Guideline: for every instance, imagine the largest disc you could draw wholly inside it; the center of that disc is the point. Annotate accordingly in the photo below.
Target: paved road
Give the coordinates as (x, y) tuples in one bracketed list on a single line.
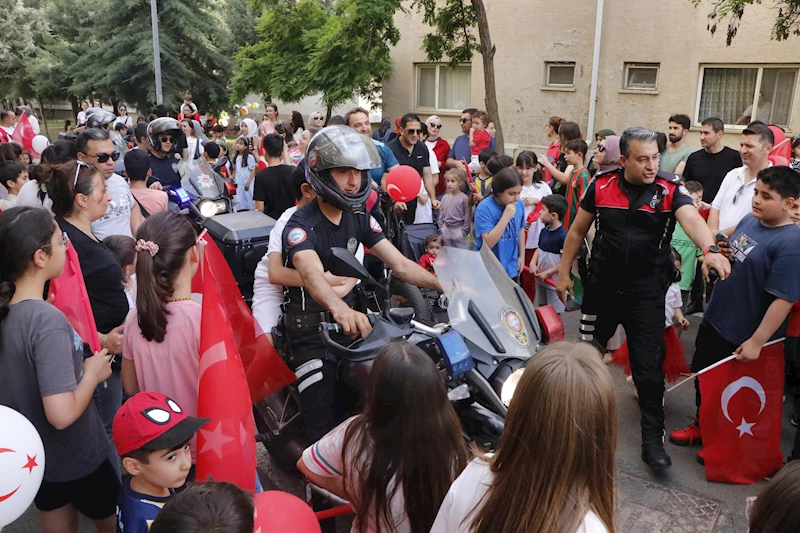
[(681, 501)]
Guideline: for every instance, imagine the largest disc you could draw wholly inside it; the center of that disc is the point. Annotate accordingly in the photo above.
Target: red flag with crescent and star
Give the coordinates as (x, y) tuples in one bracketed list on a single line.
[(70, 297), (740, 418), (265, 370), (226, 446), (23, 133)]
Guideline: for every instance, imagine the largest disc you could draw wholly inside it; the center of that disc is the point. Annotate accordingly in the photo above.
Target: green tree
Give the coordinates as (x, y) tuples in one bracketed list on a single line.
[(339, 50), (730, 12), (454, 37), (21, 28), (119, 65), (241, 24)]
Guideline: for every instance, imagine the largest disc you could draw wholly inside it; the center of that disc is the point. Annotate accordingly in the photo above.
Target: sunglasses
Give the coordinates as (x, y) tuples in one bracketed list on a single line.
[(317, 118), (465, 120), (102, 158), (78, 166), (435, 125), (738, 193), (414, 132), (166, 139)]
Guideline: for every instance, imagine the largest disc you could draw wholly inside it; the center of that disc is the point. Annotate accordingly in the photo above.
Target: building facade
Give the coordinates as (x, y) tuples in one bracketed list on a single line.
[(655, 58)]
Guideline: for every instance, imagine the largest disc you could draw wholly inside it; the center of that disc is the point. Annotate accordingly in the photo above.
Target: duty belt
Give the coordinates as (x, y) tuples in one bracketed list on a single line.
[(299, 325)]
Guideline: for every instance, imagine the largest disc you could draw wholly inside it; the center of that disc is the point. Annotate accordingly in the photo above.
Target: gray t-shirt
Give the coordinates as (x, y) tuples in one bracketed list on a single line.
[(670, 161), (41, 355), (118, 213)]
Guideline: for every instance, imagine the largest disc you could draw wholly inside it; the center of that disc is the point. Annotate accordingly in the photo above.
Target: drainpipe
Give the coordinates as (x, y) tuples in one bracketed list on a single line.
[(598, 37)]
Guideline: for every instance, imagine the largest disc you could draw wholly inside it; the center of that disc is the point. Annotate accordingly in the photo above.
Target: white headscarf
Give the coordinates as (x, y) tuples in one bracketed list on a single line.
[(252, 129), (433, 118)]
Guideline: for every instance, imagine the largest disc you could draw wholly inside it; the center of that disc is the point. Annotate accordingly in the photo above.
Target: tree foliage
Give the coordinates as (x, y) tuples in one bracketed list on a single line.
[(20, 27), (337, 49), (730, 12)]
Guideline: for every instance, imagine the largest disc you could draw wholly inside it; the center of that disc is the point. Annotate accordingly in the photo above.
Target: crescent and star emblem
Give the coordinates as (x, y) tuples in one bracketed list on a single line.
[(745, 382), (391, 186), (31, 463)]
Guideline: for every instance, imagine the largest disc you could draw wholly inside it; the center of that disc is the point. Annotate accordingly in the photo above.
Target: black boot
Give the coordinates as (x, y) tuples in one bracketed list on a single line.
[(655, 456)]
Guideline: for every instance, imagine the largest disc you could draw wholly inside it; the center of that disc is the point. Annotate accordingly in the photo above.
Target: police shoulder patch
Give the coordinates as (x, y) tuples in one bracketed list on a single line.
[(296, 236), (374, 226), (684, 190), (669, 176)]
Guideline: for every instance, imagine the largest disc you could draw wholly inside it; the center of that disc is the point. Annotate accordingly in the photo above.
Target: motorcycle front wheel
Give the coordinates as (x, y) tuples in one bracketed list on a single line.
[(278, 421), (406, 295)]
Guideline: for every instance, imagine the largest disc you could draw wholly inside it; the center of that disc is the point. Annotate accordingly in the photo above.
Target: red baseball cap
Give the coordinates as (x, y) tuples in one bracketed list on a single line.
[(152, 421)]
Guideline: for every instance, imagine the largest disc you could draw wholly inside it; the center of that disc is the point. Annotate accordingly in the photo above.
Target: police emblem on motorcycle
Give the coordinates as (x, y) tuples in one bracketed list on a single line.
[(352, 245), (296, 236), (204, 181), (513, 326), (312, 159)]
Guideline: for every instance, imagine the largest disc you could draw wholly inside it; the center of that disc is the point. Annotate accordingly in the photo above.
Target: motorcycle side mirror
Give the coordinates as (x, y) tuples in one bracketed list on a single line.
[(340, 262)]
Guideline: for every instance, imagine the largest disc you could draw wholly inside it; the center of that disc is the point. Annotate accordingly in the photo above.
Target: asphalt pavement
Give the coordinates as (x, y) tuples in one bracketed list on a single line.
[(679, 501)]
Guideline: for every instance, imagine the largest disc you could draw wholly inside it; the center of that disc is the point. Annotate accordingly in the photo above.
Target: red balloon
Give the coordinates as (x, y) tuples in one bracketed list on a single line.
[(281, 511), (403, 183), (779, 161)]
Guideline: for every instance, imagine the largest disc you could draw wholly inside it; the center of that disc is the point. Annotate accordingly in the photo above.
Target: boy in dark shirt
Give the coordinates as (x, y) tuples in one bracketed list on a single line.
[(151, 434), (273, 192), (749, 308)]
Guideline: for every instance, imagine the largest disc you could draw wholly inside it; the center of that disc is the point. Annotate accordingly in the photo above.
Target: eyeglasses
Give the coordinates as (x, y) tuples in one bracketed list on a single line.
[(78, 166), (166, 138), (64, 240), (102, 158), (465, 120), (414, 132), (435, 126)]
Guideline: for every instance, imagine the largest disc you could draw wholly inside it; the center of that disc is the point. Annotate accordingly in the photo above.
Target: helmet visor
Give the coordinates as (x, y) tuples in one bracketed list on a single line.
[(342, 147)]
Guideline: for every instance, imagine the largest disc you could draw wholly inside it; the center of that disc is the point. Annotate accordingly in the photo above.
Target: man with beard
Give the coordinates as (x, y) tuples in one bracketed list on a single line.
[(673, 160), (711, 164)]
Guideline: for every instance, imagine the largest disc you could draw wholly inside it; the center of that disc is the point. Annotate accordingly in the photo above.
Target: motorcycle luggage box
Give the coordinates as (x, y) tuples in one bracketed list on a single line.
[(243, 239)]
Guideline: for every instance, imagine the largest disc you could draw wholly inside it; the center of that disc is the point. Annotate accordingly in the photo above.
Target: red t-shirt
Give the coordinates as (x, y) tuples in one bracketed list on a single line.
[(481, 140), (426, 262)]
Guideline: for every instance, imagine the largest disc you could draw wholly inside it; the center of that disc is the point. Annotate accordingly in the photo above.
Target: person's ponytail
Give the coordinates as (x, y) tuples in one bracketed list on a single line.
[(161, 245), (59, 182), (23, 231)]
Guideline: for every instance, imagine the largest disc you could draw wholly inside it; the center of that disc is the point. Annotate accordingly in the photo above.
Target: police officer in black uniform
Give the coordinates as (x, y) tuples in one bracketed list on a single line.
[(338, 162), (634, 209)]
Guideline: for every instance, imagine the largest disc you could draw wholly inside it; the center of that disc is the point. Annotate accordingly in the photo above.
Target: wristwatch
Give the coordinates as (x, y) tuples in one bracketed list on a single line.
[(713, 249)]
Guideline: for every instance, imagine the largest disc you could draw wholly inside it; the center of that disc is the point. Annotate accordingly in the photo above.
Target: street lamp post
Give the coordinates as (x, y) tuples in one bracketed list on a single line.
[(156, 52)]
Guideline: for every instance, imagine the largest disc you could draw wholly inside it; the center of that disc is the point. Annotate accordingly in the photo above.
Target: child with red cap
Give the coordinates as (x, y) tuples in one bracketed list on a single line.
[(151, 433)]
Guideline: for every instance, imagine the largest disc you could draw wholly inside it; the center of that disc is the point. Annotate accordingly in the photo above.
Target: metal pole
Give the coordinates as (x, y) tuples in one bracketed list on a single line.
[(156, 52), (598, 37)]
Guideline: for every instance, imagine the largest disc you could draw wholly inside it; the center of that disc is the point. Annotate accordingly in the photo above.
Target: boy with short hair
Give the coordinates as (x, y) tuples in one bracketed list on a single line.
[(273, 191), (206, 507), (151, 433), (13, 176), (575, 153), (483, 180), (137, 169), (750, 307), (547, 257), (688, 250)]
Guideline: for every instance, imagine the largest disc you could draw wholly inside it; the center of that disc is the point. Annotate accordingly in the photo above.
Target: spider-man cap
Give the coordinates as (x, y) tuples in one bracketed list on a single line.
[(152, 421)]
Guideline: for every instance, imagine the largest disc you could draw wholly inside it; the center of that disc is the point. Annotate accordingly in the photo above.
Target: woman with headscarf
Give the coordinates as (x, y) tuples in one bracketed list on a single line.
[(316, 120), (608, 157), (381, 131), (598, 137), (439, 146), (249, 130)]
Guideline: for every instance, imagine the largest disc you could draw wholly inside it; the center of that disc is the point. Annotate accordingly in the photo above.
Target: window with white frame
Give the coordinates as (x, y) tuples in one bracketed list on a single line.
[(641, 76), (559, 74), (738, 94), (442, 88)]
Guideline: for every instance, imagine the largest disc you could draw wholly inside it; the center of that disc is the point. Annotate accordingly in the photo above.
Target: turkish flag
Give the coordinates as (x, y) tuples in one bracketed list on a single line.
[(740, 418), (23, 134), (226, 446), (70, 297), (535, 214), (265, 370)]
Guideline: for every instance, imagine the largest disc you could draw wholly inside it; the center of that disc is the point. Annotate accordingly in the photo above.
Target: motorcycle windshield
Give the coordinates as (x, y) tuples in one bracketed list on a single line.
[(199, 179), (484, 303)]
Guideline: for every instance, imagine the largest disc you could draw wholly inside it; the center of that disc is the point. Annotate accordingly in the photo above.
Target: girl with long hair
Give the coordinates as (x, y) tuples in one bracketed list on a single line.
[(396, 460), (193, 148), (560, 170), (162, 333), (44, 376), (298, 126), (244, 172), (533, 190), (269, 120), (500, 219), (554, 470), (291, 153)]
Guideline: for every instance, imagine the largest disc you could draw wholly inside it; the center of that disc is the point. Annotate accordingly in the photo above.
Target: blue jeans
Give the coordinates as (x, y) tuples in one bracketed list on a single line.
[(107, 399)]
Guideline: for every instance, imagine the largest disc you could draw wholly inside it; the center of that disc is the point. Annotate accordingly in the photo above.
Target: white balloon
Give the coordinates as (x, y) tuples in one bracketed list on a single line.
[(21, 464), (39, 143)]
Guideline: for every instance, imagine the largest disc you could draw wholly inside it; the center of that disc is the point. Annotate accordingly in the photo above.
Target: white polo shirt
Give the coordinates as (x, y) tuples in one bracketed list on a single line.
[(732, 212)]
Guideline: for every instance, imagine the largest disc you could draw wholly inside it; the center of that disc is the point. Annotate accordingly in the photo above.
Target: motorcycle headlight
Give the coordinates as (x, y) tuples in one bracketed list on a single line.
[(207, 208), (222, 206), (510, 386)]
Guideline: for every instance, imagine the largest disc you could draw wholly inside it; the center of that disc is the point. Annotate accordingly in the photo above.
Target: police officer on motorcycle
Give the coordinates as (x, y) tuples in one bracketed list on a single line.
[(164, 135), (338, 163), (634, 209)]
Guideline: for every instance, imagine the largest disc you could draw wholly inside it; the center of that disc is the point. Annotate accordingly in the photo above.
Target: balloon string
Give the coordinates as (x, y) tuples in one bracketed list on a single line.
[(718, 363)]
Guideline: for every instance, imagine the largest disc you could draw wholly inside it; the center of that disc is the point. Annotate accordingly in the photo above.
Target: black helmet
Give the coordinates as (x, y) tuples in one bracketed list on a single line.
[(340, 147), (161, 126), (99, 118)]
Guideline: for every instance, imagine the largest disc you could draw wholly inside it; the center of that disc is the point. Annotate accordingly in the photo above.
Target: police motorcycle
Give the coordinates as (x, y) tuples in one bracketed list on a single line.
[(481, 351)]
